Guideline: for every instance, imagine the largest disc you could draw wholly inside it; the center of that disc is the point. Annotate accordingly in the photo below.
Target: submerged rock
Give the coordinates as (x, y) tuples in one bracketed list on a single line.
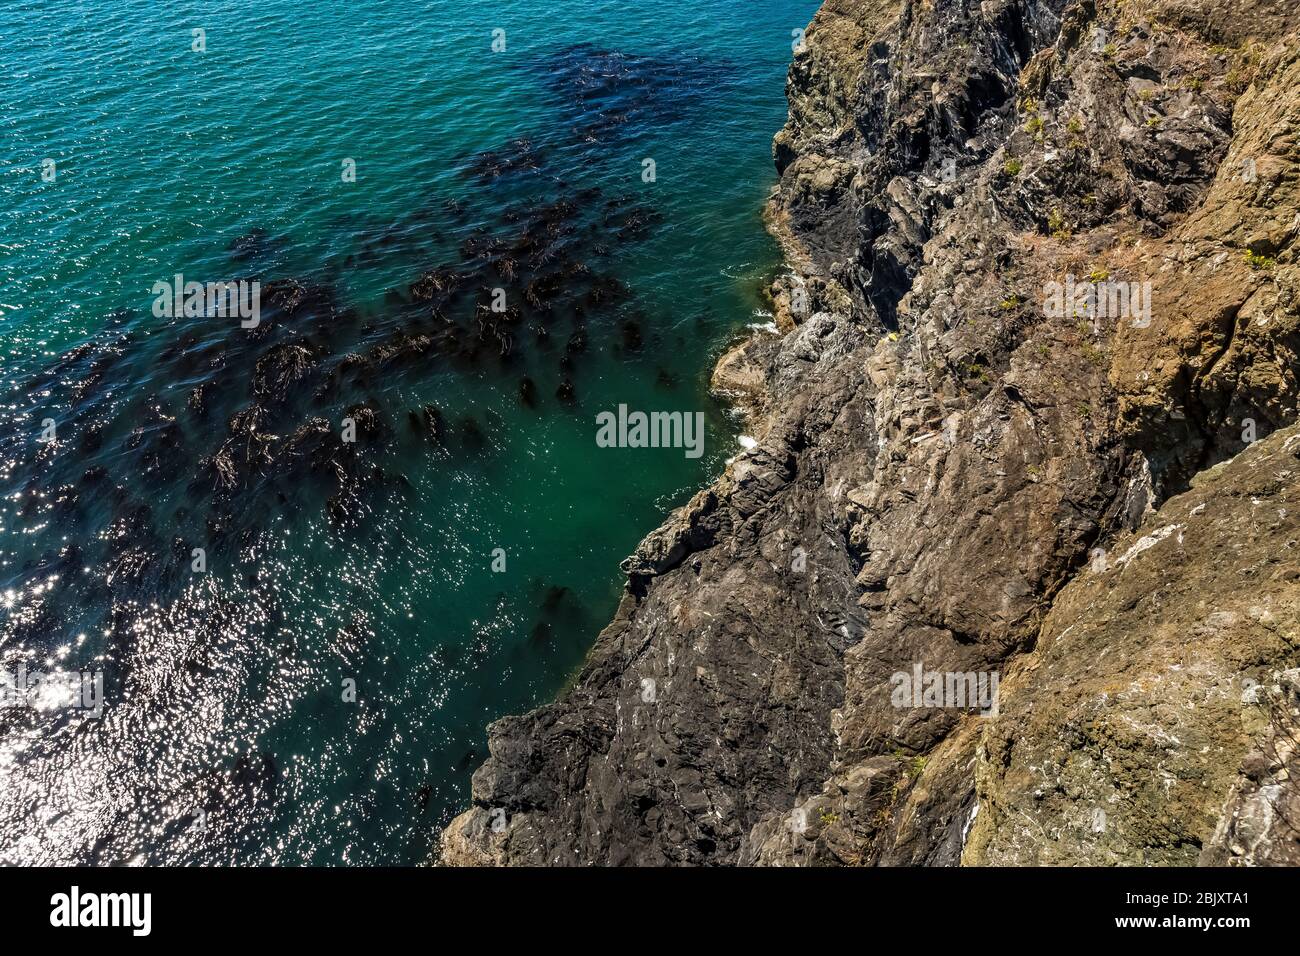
[(528, 392), (428, 423)]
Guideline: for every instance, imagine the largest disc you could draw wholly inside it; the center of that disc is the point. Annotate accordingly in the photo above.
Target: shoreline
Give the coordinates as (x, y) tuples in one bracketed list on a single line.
[(738, 384), (948, 478)]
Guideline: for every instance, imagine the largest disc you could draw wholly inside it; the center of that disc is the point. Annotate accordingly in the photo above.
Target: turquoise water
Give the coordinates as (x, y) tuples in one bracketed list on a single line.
[(230, 733)]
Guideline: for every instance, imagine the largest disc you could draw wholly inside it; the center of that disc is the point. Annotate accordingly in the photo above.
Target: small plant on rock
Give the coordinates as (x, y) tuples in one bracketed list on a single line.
[(1056, 226), (1259, 261)]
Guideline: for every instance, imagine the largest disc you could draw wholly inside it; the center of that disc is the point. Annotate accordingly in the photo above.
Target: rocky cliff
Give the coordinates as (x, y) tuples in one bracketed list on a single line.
[(1027, 423)]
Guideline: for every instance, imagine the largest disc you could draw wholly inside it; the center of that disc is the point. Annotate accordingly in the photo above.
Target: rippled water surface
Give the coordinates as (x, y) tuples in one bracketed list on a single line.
[(228, 731)]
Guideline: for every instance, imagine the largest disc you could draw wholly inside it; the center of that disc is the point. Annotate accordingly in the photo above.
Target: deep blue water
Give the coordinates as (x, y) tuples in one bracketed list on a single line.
[(227, 735)]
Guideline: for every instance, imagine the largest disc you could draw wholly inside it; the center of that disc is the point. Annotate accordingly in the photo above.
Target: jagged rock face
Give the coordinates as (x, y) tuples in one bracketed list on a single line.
[(1158, 687), (1225, 281), (940, 450)]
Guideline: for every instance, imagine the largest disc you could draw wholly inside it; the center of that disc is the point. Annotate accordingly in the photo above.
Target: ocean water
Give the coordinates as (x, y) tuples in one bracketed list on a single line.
[(301, 640)]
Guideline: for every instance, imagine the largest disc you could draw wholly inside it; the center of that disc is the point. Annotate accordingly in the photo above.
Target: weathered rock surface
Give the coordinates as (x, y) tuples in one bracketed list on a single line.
[(1159, 685), (938, 456)]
